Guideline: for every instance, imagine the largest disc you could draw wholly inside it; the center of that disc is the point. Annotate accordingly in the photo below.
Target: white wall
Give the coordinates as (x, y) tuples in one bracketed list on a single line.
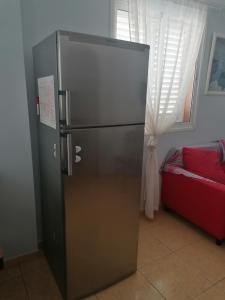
[(17, 209), (42, 17)]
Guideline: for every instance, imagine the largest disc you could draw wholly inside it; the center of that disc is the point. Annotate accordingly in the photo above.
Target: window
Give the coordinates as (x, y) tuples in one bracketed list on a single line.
[(187, 110), (122, 25)]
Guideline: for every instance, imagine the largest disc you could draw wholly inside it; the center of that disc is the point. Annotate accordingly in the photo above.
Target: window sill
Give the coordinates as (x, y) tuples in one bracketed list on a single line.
[(180, 126)]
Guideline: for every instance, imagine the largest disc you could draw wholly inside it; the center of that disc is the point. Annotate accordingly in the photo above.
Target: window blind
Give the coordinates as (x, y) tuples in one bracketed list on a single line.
[(172, 66), (174, 59)]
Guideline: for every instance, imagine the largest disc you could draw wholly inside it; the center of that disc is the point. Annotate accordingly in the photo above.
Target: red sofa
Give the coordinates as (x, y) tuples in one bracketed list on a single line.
[(198, 199)]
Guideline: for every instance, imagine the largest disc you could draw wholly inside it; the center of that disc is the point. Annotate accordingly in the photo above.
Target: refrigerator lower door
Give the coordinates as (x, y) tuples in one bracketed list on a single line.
[(102, 207)]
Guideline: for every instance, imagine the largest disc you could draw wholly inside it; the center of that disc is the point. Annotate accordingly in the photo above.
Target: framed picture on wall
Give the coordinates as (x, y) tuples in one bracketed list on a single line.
[(215, 84)]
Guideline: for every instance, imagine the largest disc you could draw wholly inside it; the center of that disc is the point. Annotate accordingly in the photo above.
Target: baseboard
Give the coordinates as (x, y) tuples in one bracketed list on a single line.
[(23, 258)]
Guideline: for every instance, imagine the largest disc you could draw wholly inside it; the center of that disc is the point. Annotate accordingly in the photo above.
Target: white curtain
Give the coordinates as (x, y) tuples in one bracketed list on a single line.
[(174, 30)]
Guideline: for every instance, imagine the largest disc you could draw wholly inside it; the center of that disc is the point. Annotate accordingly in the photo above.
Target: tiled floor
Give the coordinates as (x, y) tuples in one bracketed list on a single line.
[(176, 261)]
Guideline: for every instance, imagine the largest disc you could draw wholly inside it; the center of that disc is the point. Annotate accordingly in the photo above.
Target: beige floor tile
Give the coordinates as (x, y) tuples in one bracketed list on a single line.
[(207, 257), (13, 289), (133, 288), (150, 248), (175, 279), (39, 280), (217, 292), (178, 294), (9, 272), (175, 233)]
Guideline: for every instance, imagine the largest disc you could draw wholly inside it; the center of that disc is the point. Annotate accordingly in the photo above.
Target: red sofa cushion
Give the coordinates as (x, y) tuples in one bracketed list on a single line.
[(204, 162)]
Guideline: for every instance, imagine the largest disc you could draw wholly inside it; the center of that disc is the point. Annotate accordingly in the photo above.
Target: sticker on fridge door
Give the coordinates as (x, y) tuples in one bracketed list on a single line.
[(46, 95)]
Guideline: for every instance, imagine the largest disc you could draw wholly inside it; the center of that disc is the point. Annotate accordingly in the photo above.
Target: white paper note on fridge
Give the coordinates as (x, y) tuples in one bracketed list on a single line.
[(46, 94)]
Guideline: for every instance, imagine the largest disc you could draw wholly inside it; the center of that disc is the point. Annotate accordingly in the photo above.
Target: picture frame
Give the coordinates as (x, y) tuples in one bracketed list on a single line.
[(215, 83)]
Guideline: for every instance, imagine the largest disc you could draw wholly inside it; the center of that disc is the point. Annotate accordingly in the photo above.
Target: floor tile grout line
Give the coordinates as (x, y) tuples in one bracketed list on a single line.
[(24, 283), (188, 245), (160, 242), (162, 257), (208, 278), (165, 298), (152, 285), (172, 250), (214, 284), (153, 260), (176, 252), (3, 281), (211, 285)]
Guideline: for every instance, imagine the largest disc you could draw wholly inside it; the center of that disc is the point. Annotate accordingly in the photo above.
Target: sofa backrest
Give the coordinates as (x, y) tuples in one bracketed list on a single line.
[(175, 155)]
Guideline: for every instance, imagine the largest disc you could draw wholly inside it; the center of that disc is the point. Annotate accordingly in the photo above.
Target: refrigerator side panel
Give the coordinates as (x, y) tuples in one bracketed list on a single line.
[(45, 65), (106, 79), (102, 200)]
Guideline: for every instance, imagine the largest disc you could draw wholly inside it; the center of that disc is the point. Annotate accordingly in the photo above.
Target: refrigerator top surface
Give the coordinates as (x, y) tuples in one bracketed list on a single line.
[(89, 38)]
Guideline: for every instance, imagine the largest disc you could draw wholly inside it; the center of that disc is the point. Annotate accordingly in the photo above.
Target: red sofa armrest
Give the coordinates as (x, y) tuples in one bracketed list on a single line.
[(200, 201)]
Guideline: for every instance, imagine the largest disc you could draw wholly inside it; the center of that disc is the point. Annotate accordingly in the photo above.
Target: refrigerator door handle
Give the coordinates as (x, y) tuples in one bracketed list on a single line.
[(69, 155), (64, 107), (68, 104)]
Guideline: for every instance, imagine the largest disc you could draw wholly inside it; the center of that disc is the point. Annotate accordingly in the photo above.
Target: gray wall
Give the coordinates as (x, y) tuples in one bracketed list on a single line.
[(17, 206), (42, 17)]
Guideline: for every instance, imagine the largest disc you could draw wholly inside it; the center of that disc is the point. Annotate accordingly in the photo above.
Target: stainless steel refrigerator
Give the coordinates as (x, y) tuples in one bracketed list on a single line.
[(92, 93)]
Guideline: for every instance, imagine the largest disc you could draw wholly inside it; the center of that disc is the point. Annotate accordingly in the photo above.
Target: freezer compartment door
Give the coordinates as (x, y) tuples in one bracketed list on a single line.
[(105, 78), (102, 207)]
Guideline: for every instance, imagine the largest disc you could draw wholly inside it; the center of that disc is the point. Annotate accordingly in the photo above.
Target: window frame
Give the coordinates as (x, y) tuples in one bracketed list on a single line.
[(178, 126)]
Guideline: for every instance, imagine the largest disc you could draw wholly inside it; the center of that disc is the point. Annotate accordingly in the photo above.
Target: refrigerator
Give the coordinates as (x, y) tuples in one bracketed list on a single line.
[(91, 97)]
